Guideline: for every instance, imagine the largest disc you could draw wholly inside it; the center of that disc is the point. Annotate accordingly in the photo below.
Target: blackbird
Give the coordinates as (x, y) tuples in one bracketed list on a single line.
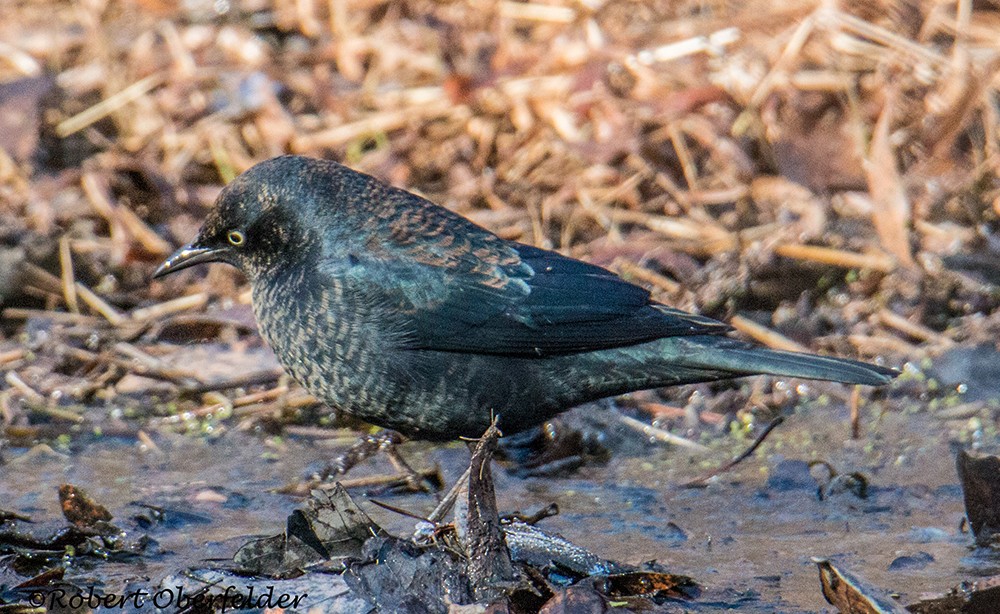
[(411, 317)]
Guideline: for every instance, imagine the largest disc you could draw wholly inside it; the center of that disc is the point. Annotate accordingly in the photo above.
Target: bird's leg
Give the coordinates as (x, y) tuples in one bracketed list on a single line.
[(365, 447), (385, 441)]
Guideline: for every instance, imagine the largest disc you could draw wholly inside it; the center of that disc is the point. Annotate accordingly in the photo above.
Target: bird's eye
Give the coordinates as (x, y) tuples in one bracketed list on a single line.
[(236, 237)]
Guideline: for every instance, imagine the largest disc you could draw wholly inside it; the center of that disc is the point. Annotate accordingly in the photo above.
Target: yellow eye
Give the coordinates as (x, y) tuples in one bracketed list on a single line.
[(236, 237)]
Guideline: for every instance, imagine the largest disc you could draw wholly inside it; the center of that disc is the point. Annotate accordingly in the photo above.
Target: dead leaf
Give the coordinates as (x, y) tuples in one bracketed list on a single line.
[(80, 509), (892, 207), (980, 479), (852, 595), (330, 526), (490, 567)]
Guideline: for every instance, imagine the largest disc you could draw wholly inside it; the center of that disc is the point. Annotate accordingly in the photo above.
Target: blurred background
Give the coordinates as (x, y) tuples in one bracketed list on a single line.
[(834, 164)]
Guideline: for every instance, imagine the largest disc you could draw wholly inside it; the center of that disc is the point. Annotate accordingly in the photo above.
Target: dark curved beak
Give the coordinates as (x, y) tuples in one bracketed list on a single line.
[(189, 255)]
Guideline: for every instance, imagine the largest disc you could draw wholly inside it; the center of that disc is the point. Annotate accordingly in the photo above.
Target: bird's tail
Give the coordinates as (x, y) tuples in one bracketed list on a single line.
[(740, 358)]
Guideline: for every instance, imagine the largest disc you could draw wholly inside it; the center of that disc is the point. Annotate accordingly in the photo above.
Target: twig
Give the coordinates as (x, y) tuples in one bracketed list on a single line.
[(259, 397), (68, 278), (29, 393), (397, 510), (159, 310), (700, 482), (12, 356), (388, 480), (386, 121), (322, 437), (855, 405), (765, 335), (20, 313), (48, 281), (712, 238), (661, 410), (887, 38), (873, 345), (630, 269), (22, 61), (122, 220), (659, 434), (688, 166), (837, 257), (240, 381), (147, 442), (59, 413), (913, 329), (147, 361), (537, 12), (151, 368), (42, 450), (894, 210), (789, 54), (714, 44), (449, 499), (107, 106), (142, 233)]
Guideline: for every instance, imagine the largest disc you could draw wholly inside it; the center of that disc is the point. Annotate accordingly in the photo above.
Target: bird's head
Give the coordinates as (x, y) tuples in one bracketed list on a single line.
[(263, 219)]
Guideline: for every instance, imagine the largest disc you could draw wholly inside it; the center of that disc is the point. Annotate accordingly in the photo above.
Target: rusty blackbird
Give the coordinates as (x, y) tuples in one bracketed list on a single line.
[(409, 316)]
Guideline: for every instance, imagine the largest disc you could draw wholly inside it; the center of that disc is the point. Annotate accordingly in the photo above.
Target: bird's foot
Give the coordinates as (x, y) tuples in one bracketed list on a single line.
[(387, 442), (366, 447)]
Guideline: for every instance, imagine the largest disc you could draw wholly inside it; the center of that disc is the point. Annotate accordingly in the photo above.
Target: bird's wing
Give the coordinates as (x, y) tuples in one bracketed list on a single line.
[(467, 290)]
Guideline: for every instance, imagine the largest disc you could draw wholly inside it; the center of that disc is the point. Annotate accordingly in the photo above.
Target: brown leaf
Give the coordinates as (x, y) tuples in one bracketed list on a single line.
[(648, 584), (892, 207), (980, 479), (80, 509), (489, 559), (328, 526), (814, 143), (20, 110), (982, 597), (850, 594), (579, 599)]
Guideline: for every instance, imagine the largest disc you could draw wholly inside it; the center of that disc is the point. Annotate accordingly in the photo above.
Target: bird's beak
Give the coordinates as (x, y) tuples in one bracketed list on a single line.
[(189, 255)]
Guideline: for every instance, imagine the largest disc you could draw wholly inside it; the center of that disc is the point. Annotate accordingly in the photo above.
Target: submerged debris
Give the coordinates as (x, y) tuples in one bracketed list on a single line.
[(81, 510), (980, 478), (850, 594), (512, 566), (45, 550), (329, 527)]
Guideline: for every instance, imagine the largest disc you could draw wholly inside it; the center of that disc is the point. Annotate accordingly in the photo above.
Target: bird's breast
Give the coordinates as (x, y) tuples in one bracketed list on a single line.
[(324, 340)]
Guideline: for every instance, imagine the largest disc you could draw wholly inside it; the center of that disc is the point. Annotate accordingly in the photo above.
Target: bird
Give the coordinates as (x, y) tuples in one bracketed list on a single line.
[(405, 314)]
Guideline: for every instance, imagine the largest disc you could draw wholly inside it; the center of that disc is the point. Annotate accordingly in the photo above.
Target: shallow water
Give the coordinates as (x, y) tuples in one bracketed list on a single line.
[(747, 538)]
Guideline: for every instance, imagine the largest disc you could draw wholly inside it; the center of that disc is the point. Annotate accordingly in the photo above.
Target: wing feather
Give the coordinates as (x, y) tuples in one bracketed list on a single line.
[(454, 286)]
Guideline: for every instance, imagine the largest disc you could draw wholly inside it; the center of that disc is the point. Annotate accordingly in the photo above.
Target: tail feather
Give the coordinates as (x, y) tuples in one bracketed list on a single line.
[(739, 358)]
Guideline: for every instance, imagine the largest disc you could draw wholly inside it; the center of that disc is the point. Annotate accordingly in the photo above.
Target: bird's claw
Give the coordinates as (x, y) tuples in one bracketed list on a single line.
[(386, 441)]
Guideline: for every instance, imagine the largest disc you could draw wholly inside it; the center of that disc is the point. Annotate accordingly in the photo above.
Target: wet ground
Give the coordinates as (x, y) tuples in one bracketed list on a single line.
[(747, 538)]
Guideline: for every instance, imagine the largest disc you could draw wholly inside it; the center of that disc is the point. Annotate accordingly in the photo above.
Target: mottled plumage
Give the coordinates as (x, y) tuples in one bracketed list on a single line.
[(409, 316)]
